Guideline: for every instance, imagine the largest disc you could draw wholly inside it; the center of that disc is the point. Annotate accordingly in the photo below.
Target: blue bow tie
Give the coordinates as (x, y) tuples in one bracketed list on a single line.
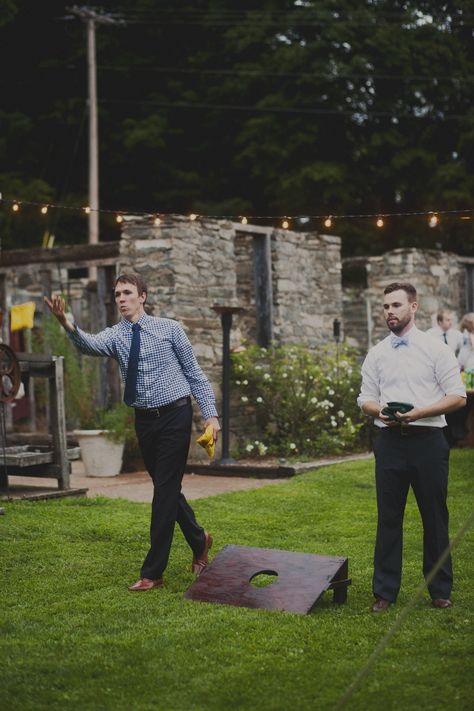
[(399, 341)]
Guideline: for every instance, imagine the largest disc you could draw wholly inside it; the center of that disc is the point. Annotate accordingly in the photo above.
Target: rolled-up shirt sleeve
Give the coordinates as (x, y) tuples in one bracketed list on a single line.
[(199, 384), (449, 376), (370, 390)]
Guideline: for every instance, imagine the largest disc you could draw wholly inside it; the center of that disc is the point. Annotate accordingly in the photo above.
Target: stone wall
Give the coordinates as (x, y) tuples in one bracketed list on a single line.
[(307, 293), (190, 266), (438, 277)]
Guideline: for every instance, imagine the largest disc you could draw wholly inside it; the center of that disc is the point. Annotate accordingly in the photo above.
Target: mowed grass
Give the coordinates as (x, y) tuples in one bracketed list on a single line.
[(73, 637)]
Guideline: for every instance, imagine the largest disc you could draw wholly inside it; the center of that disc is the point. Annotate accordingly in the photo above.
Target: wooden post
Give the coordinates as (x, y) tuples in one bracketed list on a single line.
[(58, 422), (5, 325), (101, 323), (263, 288)]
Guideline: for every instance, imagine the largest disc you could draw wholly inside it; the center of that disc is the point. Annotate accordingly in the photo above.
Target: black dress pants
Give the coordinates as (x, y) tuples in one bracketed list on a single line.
[(164, 444), (422, 461)]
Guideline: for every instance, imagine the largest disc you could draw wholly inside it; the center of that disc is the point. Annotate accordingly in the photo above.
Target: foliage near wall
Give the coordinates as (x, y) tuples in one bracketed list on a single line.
[(304, 400)]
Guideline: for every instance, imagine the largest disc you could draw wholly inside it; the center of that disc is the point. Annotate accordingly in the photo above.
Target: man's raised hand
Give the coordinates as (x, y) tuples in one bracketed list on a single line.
[(58, 308)]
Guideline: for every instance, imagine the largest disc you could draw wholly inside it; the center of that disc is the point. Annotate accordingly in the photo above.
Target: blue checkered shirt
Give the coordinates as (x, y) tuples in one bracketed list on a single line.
[(167, 367)]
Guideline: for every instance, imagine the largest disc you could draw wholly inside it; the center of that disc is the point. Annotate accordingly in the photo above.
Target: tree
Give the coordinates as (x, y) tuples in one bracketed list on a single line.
[(279, 107)]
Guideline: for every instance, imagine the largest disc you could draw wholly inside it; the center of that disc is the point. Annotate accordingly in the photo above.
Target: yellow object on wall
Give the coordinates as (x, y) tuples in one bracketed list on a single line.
[(22, 316)]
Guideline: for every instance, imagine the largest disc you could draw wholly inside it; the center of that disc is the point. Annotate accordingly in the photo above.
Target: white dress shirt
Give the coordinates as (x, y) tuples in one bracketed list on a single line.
[(422, 373), (454, 337)]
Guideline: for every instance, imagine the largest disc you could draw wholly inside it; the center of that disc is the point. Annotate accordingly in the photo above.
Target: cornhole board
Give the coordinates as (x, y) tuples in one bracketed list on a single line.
[(301, 579)]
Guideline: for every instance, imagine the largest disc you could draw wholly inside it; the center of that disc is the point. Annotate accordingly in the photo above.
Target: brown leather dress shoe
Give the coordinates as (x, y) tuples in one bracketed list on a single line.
[(380, 605), (441, 603), (146, 584), (201, 561)]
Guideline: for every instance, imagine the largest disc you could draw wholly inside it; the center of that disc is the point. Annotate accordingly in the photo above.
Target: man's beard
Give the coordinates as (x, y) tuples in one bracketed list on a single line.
[(398, 327)]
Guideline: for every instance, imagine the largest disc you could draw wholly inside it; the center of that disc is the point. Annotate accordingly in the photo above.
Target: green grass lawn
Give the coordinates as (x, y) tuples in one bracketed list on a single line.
[(73, 637)]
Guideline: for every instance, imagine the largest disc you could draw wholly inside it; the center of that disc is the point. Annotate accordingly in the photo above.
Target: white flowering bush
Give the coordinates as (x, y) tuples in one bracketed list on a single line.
[(304, 400)]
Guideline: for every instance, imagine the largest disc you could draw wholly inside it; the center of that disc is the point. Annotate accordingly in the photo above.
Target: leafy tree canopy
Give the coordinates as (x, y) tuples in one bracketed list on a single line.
[(297, 107)]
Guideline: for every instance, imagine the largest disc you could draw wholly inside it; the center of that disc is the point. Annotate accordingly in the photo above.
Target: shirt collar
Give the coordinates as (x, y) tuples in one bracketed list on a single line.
[(141, 321)]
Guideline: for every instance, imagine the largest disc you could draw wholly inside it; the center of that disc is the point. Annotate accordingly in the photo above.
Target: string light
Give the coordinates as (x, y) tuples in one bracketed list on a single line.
[(157, 222), (119, 219), (285, 224), (328, 220)]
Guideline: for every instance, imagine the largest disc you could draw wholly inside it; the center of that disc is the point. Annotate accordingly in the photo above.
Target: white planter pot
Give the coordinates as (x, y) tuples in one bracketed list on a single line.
[(101, 456)]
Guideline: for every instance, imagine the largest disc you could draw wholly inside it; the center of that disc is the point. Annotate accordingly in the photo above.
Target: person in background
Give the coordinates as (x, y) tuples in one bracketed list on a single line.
[(160, 372), (445, 332), (409, 367), (466, 353), (458, 422)]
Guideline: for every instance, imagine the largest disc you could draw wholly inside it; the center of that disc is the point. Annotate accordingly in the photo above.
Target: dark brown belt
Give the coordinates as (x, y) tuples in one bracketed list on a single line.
[(158, 411), (410, 430)]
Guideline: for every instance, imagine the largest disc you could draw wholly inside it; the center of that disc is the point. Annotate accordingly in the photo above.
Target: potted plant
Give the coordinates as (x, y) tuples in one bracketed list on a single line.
[(102, 440)]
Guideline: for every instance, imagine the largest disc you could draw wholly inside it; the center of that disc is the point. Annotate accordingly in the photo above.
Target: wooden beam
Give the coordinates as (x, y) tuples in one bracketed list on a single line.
[(75, 255), (262, 260)]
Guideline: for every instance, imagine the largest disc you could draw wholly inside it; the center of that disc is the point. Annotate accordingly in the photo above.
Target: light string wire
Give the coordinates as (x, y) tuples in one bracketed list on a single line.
[(196, 216), (374, 657)]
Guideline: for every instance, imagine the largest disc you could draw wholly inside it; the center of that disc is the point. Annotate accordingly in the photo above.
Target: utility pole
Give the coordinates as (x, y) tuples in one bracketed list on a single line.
[(93, 16)]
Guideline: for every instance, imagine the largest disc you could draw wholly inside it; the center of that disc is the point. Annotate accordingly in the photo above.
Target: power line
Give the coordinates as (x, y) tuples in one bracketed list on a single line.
[(263, 73), (357, 112)]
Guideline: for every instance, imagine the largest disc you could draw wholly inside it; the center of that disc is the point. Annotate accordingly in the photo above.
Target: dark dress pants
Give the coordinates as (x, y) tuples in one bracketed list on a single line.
[(422, 461), (164, 444)]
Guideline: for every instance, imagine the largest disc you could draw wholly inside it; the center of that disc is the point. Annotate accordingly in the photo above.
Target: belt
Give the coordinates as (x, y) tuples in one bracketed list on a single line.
[(158, 411), (411, 430)]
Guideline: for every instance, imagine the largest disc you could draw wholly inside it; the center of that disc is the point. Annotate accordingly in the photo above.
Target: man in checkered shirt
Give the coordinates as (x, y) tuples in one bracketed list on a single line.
[(164, 373)]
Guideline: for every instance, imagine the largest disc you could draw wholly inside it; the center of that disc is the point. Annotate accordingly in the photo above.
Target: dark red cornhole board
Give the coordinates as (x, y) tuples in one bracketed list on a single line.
[(302, 579)]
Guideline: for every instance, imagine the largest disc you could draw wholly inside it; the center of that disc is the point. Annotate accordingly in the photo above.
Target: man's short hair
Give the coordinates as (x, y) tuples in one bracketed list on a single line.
[(133, 279), (441, 314), (409, 289)]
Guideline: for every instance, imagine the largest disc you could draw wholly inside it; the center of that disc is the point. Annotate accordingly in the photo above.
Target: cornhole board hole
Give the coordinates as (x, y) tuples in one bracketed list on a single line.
[(300, 579)]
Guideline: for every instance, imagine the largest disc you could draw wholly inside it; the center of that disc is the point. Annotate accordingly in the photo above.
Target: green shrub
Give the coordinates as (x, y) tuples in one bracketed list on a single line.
[(304, 400), (80, 374)]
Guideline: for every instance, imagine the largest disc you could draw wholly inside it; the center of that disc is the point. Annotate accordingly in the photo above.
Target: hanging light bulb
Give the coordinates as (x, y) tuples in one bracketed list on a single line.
[(157, 221), (15, 207), (44, 210), (243, 221), (285, 224), (433, 221), (328, 221), (87, 210), (192, 217), (119, 218), (380, 222)]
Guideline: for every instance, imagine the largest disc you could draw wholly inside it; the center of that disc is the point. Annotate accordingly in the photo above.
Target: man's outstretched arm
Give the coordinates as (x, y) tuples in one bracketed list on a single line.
[(97, 344)]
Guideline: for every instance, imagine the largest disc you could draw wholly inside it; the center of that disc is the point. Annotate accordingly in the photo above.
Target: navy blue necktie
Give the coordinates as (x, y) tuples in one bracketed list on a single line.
[(130, 393), (445, 338)]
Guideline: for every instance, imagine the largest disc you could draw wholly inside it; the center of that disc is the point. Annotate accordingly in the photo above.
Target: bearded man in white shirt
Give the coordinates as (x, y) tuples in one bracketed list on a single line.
[(408, 366)]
